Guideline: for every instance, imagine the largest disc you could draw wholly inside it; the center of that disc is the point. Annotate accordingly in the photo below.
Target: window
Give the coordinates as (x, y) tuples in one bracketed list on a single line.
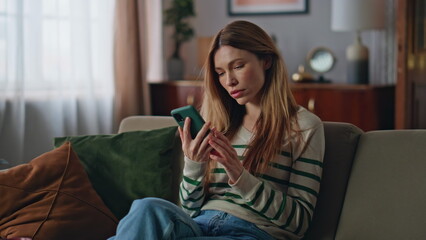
[(50, 45)]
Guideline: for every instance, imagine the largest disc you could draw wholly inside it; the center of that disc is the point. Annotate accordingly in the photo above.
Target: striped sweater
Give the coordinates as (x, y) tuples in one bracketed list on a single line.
[(280, 201)]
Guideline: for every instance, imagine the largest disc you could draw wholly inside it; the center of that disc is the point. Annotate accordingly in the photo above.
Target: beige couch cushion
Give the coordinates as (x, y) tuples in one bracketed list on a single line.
[(386, 192)]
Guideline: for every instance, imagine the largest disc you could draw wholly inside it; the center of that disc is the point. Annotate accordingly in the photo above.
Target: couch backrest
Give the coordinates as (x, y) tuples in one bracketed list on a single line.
[(341, 140), (134, 123), (386, 192)]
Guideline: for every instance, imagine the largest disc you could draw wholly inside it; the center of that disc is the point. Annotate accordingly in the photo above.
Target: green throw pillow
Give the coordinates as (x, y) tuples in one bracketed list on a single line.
[(128, 166)]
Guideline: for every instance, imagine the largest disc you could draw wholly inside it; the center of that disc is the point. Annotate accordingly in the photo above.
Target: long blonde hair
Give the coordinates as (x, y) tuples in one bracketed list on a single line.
[(278, 107)]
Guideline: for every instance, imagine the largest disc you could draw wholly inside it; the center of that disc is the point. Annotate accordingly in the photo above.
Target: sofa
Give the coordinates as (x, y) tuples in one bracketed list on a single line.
[(373, 184)]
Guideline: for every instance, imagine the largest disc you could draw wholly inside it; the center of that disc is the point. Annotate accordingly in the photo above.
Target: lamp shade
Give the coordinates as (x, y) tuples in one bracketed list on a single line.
[(350, 15)]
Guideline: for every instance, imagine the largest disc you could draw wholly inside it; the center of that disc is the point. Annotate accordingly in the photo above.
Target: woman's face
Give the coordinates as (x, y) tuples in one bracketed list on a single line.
[(241, 73)]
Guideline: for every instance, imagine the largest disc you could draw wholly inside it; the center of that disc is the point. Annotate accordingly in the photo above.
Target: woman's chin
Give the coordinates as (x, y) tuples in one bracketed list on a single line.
[(241, 101)]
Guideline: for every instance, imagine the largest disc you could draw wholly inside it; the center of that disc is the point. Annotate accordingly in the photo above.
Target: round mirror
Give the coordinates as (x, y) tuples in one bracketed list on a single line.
[(321, 59)]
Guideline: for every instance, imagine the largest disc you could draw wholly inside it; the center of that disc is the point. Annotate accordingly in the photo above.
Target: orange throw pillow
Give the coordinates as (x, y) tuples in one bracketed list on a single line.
[(51, 198)]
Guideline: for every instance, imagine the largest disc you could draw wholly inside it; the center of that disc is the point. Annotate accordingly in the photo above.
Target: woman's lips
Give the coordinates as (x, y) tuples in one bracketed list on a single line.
[(237, 93)]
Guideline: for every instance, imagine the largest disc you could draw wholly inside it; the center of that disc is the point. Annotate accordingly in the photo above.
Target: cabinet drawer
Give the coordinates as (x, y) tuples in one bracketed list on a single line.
[(368, 107)]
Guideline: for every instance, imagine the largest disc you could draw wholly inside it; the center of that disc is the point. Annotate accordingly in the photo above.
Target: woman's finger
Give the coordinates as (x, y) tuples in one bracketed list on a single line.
[(223, 143), (186, 128), (224, 152), (229, 160), (222, 137), (206, 153), (203, 132), (180, 133), (204, 144)]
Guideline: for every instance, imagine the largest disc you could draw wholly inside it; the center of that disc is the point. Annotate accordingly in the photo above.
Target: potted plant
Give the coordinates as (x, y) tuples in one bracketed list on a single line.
[(177, 17)]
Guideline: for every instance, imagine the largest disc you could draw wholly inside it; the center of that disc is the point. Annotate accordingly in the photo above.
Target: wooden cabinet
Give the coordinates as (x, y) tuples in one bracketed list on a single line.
[(366, 106), (411, 72), (166, 96)]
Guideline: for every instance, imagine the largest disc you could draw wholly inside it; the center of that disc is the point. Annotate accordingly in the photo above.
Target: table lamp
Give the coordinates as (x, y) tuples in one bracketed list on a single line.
[(357, 15)]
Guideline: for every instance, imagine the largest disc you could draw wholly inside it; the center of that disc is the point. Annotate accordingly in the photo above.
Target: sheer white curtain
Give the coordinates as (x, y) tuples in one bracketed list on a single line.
[(154, 38), (56, 73)]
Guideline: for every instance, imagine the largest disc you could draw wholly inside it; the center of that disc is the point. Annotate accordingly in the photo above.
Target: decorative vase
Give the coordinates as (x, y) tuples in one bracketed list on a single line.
[(357, 57), (175, 68)]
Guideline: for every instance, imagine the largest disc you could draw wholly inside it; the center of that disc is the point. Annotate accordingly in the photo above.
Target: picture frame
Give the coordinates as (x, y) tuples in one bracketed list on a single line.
[(266, 7)]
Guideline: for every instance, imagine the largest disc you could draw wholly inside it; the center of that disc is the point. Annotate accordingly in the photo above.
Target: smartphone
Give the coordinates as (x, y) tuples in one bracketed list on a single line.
[(197, 122)]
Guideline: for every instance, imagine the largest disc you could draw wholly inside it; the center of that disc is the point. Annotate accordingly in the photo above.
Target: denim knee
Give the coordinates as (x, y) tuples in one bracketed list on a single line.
[(155, 218), (145, 205), (144, 202), (152, 205)]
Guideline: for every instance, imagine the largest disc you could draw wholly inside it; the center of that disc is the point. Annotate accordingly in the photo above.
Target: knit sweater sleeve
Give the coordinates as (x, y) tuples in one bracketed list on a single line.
[(191, 189), (289, 208)]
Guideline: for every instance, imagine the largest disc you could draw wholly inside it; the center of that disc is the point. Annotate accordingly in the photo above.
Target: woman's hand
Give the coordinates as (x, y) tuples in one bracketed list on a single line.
[(197, 149), (224, 153)]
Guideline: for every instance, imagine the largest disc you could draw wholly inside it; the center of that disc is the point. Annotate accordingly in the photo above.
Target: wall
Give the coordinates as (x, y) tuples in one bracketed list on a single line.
[(296, 35)]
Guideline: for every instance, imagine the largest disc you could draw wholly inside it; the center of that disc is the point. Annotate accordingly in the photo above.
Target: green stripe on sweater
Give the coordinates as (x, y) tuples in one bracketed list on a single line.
[(311, 161), (286, 154), (304, 188), (239, 146), (268, 203), (290, 217), (191, 181), (285, 182), (218, 170), (244, 206), (191, 209), (258, 193), (298, 172), (282, 207), (189, 199), (310, 206), (195, 190)]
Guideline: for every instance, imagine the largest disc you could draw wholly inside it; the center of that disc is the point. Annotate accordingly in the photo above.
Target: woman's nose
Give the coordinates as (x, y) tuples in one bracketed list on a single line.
[(231, 80)]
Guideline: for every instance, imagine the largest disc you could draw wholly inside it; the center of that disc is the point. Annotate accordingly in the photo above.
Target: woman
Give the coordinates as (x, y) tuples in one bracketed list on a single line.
[(256, 175)]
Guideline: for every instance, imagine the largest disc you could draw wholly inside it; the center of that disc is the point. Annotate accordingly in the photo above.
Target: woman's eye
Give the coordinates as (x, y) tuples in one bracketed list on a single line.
[(220, 74), (239, 66)]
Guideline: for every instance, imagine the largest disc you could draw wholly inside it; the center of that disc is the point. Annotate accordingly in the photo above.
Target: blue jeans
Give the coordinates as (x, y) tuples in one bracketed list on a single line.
[(155, 219)]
